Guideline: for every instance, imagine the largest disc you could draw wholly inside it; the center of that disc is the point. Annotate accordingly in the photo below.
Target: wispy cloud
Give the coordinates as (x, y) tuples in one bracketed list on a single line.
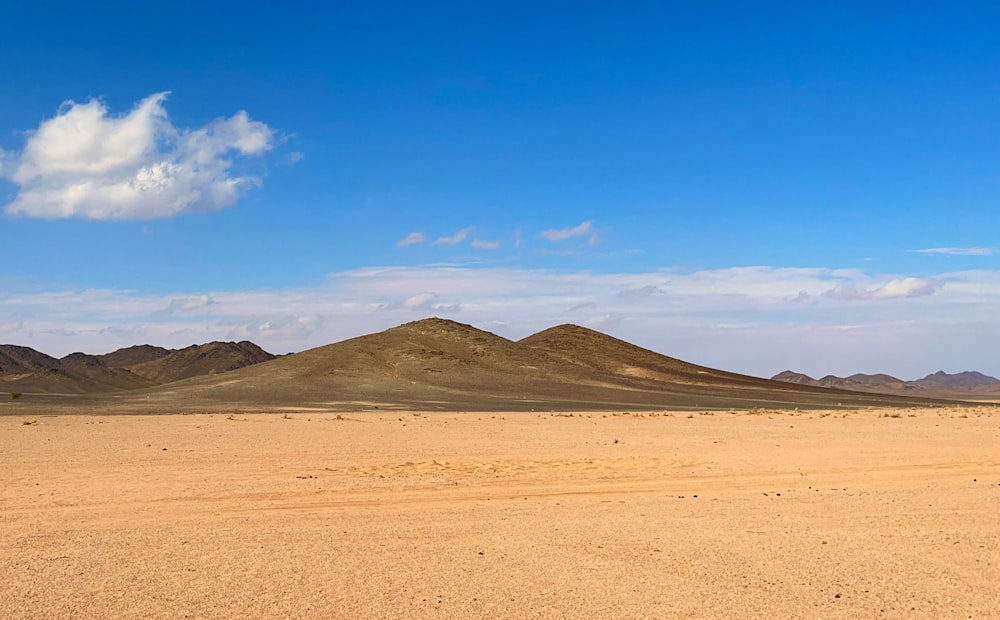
[(413, 238), (455, 239), (584, 229), (971, 251), (87, 163), (751, 319), (481, 244), (642, 291), (893, 289)]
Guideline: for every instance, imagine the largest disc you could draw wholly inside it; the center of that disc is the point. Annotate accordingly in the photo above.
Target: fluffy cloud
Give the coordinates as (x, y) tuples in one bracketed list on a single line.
[(973, 251), (411, 239), (585, 229), (86, 163)]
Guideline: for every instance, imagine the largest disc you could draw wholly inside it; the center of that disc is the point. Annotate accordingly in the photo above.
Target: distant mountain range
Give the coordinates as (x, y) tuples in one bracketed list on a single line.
[(431, 364), (938, 384), (26, 370)]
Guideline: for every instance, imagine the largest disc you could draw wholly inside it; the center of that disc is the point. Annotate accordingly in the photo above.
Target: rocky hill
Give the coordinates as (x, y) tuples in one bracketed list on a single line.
[(436, 364), (938, 384), (23, 369)]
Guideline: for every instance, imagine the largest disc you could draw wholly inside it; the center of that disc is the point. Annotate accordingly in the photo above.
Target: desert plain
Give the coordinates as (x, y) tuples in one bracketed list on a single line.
[(308, 513)]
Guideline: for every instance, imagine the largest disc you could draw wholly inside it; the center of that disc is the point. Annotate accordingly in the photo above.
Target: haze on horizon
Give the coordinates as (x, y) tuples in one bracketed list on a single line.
[(808, 188)]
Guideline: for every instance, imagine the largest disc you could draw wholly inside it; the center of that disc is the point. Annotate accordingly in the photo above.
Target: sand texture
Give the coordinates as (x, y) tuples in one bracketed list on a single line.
[(729, 514)]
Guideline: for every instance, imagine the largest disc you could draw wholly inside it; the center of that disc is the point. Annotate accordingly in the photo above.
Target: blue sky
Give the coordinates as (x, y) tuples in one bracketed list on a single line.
[(753, 186)]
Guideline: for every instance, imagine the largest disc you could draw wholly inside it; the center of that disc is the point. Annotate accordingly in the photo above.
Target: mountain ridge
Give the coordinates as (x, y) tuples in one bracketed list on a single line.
[(940, 382), (23, 369), (439, 364), (427, 364)]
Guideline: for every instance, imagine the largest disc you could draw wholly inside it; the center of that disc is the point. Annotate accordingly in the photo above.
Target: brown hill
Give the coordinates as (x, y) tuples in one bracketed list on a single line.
[(970, 381), (863, 383), (936, 385), (133, 356), (23, 369), (93, 375), (440, 364), (15, 360), (200, 359), (630, 363), (789, 376)]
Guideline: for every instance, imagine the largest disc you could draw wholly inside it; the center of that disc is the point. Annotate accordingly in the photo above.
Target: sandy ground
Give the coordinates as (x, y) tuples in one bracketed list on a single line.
[(728, 514)]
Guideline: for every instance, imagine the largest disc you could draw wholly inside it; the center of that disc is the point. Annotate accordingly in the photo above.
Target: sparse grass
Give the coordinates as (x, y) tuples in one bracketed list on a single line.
[(764, 411)]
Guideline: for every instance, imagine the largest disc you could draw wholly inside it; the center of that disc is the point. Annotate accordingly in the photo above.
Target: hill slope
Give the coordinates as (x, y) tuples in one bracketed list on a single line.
[(133, 356), (23, 369), (196, 360), (441, 364)]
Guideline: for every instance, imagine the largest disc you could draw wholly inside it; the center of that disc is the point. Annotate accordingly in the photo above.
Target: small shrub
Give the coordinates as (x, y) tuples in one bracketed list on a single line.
[(15, 395)]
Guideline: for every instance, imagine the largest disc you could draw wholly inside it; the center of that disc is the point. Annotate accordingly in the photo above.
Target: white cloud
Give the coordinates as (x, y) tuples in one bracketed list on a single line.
[(893, 289), (603, 321), (86, 163), (187, 305), (455, 239), (419, 301), (481, 244), (642, 291), (973, 251), (580, 230), (750, 319), (411, 239), (426, 301)]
